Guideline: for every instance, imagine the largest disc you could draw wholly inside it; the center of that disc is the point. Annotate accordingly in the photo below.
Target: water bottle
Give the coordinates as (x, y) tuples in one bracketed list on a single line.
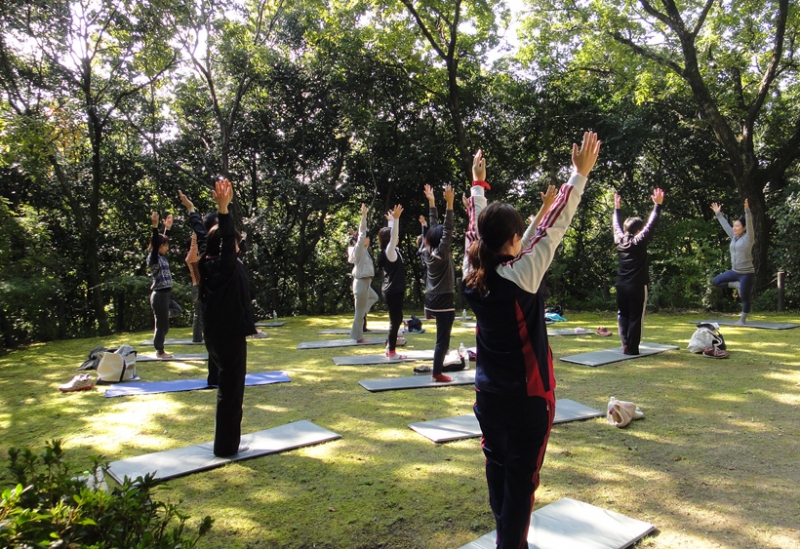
[(462, 352)]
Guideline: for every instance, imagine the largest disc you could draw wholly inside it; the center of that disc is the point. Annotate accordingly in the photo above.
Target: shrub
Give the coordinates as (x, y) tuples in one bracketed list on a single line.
[(51, 507)]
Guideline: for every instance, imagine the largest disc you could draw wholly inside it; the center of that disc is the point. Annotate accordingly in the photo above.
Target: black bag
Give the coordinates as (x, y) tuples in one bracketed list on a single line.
[(414, 324), (94, 358)]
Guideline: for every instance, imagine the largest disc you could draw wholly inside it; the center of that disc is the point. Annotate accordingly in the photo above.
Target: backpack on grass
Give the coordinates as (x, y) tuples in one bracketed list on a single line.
[(706, 336)]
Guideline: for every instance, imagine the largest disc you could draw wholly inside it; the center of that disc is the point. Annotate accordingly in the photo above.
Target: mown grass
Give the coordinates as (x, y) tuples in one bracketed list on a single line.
[(712, 465)]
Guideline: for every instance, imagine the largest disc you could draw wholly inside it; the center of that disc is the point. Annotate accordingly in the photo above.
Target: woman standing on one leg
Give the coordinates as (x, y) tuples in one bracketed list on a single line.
[(440, 280), (514, 381), (225, 297), (394, 278), (633, 274), (363, 271), (743, 270), (164, 307)]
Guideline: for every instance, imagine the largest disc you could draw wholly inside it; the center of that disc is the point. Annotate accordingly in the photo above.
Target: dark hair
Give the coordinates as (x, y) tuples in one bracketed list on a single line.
[(497, 224), (214, 241), (160, 240), (211, 219), (633, 225), (743, 221), (384, 237), (434, 236)]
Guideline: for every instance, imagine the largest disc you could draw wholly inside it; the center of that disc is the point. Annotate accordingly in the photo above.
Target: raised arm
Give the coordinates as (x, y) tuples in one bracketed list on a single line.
[(152, 257), (433, 216), (394, 223), (748, 217), (548, 198), (223, 195), (618, 234), (196, 223), (446, 244), (475, 205), (721, 218), (528, 268), (646, 234)]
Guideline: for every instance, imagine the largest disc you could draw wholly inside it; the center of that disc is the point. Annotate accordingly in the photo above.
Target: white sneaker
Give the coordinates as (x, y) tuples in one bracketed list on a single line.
[(81, 382)]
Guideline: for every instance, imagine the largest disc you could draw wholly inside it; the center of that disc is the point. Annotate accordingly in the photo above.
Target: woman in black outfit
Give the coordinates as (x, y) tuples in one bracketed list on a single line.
[(394, 278)]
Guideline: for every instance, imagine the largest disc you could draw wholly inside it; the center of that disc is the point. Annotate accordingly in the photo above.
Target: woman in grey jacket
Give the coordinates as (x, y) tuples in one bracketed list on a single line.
[(742, 270), (437, 256), (363, 271)]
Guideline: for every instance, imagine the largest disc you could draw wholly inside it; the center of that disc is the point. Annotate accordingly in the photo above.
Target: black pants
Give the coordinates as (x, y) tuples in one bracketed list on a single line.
[(444, 327), (631, 303), (394, 302), (227, 358), (515, 432), (164, 308)]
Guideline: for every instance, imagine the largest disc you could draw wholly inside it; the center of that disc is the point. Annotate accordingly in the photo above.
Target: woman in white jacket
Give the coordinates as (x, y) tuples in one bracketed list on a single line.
[(363, 271)]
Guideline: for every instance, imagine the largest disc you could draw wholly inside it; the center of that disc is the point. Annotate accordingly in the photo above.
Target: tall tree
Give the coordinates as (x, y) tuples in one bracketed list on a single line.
[(65, 68), (737, 60)]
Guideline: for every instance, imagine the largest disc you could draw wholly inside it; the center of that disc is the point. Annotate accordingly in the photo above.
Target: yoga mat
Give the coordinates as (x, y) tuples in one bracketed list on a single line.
[(572, 524), (751, 324), (271, 324), (464, 377), (466, 426), (607, 356), (345, 331), (178, 385), (174, 342), (182, 461), (365, 360), (570, 332), (176, 357), (337, 343)]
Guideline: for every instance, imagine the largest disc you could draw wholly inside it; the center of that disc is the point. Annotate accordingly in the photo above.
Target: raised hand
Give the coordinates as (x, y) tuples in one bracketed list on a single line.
[(658, 196), (548, 197), (388, 215), (168, 223), (423, 221), (716, 207), (449, 196), (617, 201), (429, 195), (584, 158), (746, 204), (397, 212), (185, 201), (465, 201), (223, 195), (154, 219), (479, 166), (364, 210)]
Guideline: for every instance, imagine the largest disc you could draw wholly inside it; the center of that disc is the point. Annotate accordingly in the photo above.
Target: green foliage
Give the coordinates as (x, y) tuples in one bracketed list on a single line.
[(51, 507)]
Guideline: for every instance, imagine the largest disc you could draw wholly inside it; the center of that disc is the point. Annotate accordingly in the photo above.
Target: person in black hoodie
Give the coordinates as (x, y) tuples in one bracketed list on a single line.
[(633, 274), (225, 298)]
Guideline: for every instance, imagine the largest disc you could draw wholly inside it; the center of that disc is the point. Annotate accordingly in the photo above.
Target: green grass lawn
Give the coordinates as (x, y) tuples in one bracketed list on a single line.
[(713, 464)]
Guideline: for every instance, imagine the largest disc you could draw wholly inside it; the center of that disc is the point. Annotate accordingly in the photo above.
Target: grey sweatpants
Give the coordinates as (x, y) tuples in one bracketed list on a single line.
[(365, 298)]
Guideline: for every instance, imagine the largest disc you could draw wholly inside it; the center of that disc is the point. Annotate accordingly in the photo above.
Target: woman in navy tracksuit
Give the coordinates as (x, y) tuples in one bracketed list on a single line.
[(514, 382)]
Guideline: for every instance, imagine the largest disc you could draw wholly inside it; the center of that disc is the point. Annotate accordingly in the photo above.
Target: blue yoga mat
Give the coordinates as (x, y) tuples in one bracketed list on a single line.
[(177, 385)]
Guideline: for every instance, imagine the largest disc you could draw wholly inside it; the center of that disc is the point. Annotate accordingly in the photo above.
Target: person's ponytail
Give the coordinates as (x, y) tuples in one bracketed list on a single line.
[(481, 260), (497, 224)]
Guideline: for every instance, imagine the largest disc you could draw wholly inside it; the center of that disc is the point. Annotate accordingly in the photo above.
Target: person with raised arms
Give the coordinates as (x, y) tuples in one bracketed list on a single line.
[(161, 302), (363, 271), (742, 269), (394, 278), (514, 380), (633, 274)]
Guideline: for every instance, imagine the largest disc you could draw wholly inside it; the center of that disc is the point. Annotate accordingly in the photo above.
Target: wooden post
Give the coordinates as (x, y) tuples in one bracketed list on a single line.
[(781, 279)]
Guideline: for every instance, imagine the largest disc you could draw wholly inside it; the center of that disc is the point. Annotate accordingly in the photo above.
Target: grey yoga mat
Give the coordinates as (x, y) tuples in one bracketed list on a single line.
[(176, 357), (330, 343), (573, 524), (464, 377), (363, 360), (271, 324), (179, 385), (345, 331), (174, 342), (570, 332), (466, 426), (607, 356), (182, 461), (751, 324)]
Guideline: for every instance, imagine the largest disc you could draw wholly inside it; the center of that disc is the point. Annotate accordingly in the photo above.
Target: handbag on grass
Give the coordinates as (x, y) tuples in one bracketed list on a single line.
[(620, 413), (114, 368)]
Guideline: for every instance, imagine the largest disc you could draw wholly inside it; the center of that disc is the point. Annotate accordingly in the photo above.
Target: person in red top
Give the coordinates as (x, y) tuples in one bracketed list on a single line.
[(514, 381)]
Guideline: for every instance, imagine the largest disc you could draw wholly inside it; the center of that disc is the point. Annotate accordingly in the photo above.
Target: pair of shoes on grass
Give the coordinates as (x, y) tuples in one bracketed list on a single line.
[(81, 382), (603, 331), (714, 352)]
